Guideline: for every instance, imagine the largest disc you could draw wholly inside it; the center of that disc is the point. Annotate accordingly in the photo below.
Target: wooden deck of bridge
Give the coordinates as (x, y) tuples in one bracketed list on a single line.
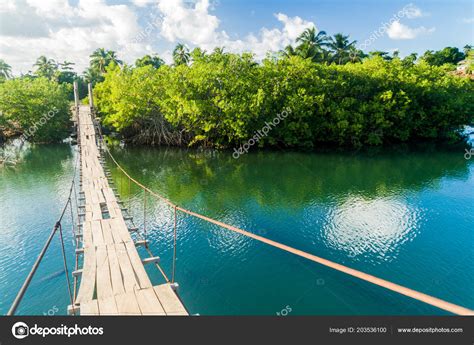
[(113, 278)]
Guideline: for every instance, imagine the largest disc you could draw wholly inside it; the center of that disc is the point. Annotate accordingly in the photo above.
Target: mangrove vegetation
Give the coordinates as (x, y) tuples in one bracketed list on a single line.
[(334, 95)]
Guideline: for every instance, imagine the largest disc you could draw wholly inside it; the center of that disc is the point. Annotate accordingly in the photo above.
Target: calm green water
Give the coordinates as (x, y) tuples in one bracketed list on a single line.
[(404, 215)]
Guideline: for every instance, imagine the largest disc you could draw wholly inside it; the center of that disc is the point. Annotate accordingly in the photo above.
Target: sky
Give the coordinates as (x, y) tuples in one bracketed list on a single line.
[(71, 30)]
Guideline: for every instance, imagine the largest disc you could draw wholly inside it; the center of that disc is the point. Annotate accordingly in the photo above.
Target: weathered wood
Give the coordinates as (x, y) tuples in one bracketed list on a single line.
[(89, 308), (137, 265), (129, 281), (127, 304), (87, 287), (108, 306), (115, 274), (97, 236), (168, 299), (113, 278), (148, 302), (104, 284)]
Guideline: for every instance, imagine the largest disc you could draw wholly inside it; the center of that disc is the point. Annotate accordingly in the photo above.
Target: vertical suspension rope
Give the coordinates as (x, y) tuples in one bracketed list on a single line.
[(76, 238), (72, 220), (174, 247), (144, 216), (129, 196), (65, 262)]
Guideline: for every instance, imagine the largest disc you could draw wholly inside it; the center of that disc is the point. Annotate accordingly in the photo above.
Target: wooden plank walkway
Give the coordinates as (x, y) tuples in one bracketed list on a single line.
[(113, 279)]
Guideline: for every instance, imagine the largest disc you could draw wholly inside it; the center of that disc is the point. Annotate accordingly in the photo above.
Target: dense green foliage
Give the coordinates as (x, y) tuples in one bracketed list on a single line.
[(223, 99), (38, 108), (331, 92), (448, 55)]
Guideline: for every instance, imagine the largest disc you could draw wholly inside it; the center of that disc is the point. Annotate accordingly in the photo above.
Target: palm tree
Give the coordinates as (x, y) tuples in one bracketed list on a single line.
[(101, 58), (66, 66), (311, 44), (92, 75), (45, 67), (181, 55), (340, 46), (356, 55), (288, 51), (310, 37), (5, 70), (384, 55), (112, 57), (148, 60)]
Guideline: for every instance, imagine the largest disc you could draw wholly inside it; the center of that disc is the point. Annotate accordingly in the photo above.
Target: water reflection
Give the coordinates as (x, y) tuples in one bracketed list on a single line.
[(374, 228)]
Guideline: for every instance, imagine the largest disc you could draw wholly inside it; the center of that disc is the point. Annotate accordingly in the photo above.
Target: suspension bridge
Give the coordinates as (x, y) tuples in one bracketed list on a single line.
[(112, 279)]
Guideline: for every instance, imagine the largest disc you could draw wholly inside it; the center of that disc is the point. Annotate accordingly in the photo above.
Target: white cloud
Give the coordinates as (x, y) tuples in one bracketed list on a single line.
[(468, 20), (293, 27), (411, 12), (193, 24), (61, 31), (142, 3), (399, 31), (196, 26)]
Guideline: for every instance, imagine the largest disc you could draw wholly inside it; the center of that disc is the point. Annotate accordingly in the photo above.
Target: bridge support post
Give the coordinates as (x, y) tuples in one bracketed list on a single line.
[(91, 97), (76, 94)]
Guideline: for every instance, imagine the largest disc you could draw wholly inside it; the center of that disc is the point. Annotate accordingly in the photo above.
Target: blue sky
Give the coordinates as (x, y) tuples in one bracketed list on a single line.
[(359, 18), (71, 30)]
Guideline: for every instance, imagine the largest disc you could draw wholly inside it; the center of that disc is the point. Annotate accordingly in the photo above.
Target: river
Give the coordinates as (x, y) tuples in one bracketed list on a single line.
[(403, 214)]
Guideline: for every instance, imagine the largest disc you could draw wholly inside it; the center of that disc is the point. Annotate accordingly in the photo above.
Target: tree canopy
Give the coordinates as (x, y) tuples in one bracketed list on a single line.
[(38, 108), (223, 99)]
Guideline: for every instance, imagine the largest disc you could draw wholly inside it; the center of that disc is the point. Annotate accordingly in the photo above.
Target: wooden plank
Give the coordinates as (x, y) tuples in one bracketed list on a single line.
[(128, 275), (114, 231), (87, 287), (115, 274), (89, 308), (122, 229), (104, 284), (168, 299), (106, 231), (148, 302), (87, 234), (97, 233), (137, 265), (127, 304), (112, 212), (108, 306)]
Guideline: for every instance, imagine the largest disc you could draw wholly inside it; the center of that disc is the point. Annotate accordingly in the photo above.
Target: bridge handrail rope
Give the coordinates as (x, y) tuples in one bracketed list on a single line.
[(57, 226), (420, 296)]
